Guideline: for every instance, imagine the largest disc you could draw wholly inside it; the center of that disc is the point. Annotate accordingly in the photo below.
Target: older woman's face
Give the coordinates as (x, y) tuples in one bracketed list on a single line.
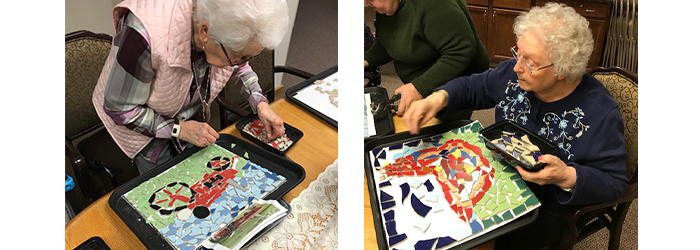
[(221, 56), (386, 7), (532, 50)]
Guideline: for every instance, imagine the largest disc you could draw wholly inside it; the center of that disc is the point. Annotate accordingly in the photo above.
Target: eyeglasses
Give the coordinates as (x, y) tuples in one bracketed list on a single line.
[(239, 62), (527, 65)]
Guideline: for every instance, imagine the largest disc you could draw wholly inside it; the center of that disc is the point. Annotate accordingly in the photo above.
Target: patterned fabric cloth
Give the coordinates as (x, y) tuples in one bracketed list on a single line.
[(313, 221), (128, 88), (586, 126)]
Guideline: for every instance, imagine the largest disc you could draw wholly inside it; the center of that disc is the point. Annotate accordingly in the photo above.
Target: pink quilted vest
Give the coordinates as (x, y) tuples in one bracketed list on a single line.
[(168, 23)]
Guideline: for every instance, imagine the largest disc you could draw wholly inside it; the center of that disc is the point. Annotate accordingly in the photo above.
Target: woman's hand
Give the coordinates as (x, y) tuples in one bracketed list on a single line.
[(409, 94), (274, 126), (556, 172), (198, 133), (366, 64), (421, 111)]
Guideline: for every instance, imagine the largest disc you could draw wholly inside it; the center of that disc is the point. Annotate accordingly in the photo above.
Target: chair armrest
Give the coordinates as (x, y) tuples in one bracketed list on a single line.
[(77, 160), (574, 213), (293, 71)]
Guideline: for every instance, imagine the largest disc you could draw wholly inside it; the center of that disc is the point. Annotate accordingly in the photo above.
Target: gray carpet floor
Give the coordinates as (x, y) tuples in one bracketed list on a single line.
[(599, 240)]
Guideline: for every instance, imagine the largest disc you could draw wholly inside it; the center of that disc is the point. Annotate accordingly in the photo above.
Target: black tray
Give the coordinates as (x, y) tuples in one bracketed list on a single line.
[(150, 237), (496, 130), (94, 243), (383, 122), (292, 91), (424, 133), (293, 133)]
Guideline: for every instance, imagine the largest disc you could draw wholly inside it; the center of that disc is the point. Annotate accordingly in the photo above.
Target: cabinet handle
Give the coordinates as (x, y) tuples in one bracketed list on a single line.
[(485, 15), (493, 17), (590, 11)]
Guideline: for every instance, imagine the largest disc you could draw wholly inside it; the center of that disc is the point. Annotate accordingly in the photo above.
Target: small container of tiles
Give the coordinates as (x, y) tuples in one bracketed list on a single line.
[(252, 129), (517, 145)]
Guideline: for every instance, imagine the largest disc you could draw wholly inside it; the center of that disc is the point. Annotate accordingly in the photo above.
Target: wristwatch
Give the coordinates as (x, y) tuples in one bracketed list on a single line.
[(176, 128)]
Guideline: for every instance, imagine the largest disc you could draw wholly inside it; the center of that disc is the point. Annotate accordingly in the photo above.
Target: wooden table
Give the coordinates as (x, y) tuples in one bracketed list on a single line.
[(370, 233), (314, 152)]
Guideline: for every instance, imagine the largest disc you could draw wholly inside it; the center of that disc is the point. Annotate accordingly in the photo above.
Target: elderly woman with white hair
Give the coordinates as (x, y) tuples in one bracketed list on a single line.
[(170, 58), (546, 89)]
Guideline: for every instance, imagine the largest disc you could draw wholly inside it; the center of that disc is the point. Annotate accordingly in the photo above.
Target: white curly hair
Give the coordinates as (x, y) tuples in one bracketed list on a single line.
[(234, 23), (565, 34)]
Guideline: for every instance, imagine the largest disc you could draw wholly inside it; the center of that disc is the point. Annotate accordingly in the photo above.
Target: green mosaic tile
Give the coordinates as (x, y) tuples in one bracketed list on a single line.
[(520, 209), (531, 201), (521, 184), (501, 208), (510, 187), (518, 193), (508, 215), (501, 198), (497, 219), (514, 201), (488, 223), (481, 212), (491, 205)]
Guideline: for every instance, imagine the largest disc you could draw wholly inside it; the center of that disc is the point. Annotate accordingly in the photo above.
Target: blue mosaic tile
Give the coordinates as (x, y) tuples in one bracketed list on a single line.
[(424, 244), (418, 206)]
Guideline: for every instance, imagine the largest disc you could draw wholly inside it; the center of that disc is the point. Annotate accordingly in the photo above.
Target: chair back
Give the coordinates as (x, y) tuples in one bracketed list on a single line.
[(86, 53), (263, 64), (622, 85)]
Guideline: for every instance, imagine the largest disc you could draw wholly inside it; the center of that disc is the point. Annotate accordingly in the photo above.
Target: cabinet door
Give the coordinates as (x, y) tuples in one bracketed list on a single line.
[(480, 17), (598, 28), (501, 37)]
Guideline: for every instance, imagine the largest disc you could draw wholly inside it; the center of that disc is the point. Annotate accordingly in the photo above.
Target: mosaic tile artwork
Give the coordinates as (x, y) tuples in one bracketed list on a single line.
[(369, 118), (257, 130), (322, 96), (440, 191), (194, 198), (325, 87)]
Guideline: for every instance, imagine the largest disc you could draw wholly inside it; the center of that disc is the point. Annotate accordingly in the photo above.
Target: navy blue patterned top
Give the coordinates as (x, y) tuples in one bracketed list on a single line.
[(586, 125)]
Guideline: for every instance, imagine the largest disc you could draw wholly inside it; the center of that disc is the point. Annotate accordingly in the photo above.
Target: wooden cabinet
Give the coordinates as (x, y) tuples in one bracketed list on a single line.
[(494, 21), (502, 34), (480, 17)]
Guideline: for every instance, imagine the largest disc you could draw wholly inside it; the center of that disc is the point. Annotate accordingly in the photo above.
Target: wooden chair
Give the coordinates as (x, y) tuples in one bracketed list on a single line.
[(93, 159), (582, 221), (232, 106)]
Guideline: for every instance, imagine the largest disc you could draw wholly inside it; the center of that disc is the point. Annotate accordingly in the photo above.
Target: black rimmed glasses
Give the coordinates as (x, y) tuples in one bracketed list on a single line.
[(527, 65), (239, 62)]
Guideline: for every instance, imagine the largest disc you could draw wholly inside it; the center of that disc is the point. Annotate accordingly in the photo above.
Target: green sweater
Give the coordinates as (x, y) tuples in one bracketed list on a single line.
[(430, 41)]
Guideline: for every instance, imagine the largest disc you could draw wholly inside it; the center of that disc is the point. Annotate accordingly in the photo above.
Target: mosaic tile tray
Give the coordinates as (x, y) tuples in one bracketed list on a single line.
[(182, 202), (383, 121), (495, 131), (314, 106), (292, 135), (443, 189)]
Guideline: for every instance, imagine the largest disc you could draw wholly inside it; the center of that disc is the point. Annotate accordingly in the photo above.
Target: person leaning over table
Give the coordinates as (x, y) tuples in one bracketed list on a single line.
[(546, 89), (430, 42), (169, 59)]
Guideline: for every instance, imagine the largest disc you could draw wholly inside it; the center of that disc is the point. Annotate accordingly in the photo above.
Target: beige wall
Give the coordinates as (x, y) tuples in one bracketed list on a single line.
[(96, 16)]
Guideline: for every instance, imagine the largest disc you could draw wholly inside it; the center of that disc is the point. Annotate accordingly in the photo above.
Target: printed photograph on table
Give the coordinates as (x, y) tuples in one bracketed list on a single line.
[(440, 191)]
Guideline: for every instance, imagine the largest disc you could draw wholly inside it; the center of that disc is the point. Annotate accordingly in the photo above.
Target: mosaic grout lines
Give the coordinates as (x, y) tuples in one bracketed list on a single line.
[(192, 199), (440, 191)]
